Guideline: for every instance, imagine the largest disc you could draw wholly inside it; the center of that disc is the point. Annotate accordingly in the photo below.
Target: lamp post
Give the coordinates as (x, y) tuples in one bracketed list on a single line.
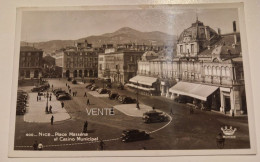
[(137, 102), (46, 109)]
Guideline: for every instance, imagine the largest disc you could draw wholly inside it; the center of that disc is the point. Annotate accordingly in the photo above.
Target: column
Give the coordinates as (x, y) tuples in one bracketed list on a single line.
[(237, 102)]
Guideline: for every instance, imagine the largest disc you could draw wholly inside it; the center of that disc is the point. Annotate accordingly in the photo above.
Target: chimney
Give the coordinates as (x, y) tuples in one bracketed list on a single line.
[(234, 26), (219, 31), (234, 30)]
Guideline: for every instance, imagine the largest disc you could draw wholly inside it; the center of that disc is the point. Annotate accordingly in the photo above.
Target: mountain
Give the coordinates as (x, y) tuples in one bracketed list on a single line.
[(123, 35)]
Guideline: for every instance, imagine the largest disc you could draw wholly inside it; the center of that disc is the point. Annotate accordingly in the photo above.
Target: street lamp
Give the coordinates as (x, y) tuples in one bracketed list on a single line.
[(137, 102), (46, 109)]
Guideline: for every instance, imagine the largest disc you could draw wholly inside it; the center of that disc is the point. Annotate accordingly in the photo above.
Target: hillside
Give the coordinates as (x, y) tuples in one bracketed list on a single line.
[(123, 35)]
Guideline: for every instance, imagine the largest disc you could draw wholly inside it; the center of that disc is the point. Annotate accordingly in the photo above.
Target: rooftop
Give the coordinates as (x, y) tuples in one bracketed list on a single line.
[(29, 48)]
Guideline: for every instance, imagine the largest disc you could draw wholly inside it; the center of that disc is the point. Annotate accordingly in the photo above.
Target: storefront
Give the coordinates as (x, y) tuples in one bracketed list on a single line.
[(201, 94), (146, 85)]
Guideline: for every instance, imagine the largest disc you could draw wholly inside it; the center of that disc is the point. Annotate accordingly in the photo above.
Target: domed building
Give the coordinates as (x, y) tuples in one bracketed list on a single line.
[(195, 39), (207, 70)]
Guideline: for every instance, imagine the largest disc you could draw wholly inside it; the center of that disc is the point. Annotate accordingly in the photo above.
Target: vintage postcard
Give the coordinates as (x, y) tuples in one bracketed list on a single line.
[(156, 80)]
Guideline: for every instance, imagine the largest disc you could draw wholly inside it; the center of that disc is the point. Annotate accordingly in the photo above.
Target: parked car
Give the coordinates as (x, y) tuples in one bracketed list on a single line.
[(64, 97), (60, 92), (126, 100), (134, 135), (94, 88), (154, 116), (89, 85), (74, 82), (113, 95), (102, 91), (120, 86)]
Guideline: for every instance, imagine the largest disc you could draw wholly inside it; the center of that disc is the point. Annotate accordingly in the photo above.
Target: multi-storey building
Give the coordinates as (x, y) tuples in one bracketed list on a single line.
[(208, 68), (30, 65), (119, 66), (80, 61)]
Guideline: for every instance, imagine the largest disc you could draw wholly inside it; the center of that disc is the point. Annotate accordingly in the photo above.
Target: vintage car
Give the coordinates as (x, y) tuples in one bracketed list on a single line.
[(130, 135), (102, 91), (113, 95), (89, 85), (154, 116), (59, 92), (64, 97), (126, 100), (93, 88)]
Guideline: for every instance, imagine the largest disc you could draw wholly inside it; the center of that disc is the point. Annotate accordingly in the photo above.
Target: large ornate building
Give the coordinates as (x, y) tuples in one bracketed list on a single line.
[(208, 68), (30, 65)]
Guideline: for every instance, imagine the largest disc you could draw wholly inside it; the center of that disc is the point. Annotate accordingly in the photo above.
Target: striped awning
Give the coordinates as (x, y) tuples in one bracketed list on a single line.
[(199, 91), (143, 80)]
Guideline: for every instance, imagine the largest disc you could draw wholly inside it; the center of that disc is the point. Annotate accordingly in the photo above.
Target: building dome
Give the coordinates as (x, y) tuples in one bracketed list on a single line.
[(197, 32)]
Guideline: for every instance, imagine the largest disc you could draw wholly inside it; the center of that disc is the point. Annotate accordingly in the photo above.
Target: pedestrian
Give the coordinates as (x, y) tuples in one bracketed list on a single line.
[(85, 95), (85, 127), (62, 104), (66, 84), (171, 112), (40, 146), (35, 145), (191, 110), (101, 145), (37, 97), (50, 109), (88, 103), (70, 91), (52, 118), (40, 98), (50, 97), (52, 86)]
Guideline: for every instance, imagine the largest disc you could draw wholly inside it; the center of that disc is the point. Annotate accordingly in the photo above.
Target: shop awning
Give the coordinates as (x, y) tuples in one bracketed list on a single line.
[(139, 87), (143, 80), (194, 90)]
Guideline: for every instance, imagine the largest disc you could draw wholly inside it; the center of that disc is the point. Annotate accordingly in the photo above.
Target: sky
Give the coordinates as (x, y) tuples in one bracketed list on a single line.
[(40, 26)]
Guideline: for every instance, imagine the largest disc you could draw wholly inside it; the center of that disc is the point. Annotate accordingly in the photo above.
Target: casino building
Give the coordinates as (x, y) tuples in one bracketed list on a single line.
[(207, 71)]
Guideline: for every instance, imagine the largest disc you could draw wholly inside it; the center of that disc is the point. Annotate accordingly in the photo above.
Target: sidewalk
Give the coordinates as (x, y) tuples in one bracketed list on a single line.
[(131, 110), (36, 110)]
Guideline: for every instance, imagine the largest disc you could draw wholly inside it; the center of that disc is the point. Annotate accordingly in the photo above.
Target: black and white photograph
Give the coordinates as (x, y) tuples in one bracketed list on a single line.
[(97, 79)]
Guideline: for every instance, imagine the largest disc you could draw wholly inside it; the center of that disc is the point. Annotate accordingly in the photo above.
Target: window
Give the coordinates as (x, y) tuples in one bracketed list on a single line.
[(192, 48), (227, 71), (223, 72), (181, 48)]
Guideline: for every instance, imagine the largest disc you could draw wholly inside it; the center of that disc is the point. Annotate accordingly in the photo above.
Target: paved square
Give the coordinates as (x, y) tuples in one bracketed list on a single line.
[(131, 110), (36, 110), (96, 94)]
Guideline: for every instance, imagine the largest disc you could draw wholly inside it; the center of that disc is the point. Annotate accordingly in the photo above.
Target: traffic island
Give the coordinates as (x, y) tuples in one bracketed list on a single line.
[(36, 110)]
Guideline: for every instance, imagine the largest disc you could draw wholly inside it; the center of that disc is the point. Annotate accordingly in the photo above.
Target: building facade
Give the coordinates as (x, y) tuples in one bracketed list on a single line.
[(119, 66), (80, 62), (208, 68), (30, 64)]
